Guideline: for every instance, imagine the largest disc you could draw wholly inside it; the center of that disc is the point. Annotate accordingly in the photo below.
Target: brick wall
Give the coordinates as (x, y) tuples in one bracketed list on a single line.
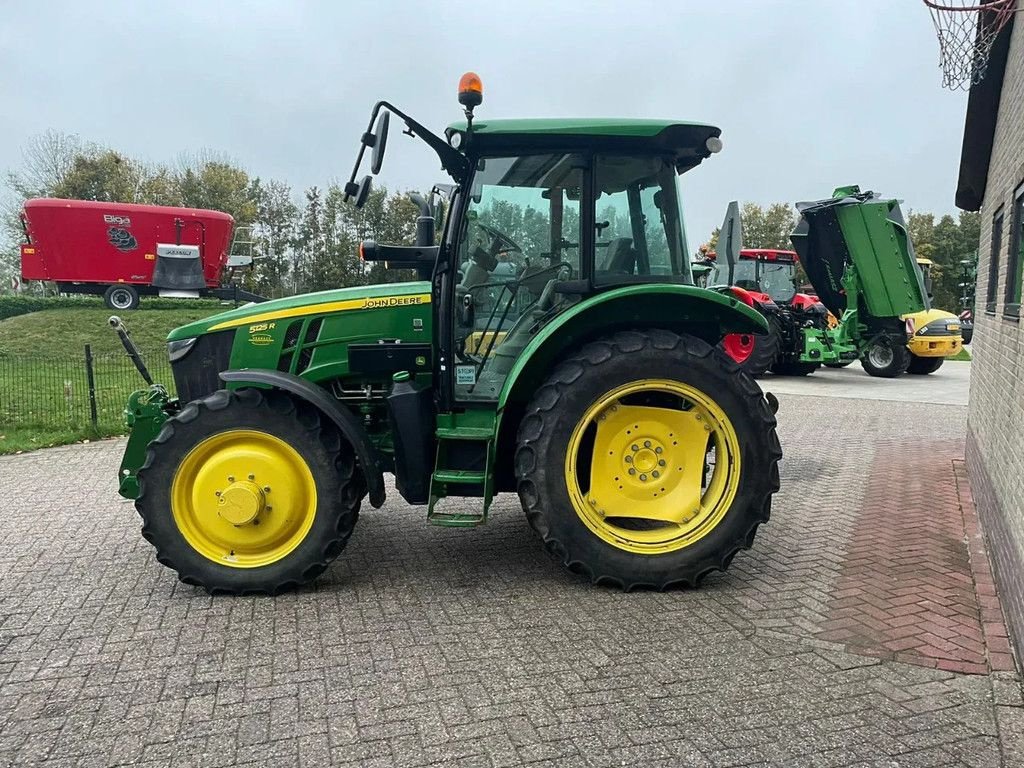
[(995, 444)]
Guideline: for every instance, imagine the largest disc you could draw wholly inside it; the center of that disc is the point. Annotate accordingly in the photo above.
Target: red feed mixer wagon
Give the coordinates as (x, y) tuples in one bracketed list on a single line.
[(121, 250)]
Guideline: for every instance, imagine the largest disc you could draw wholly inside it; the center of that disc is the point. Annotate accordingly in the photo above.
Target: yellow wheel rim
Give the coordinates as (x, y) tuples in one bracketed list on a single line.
[(653, 466), (243, 498)]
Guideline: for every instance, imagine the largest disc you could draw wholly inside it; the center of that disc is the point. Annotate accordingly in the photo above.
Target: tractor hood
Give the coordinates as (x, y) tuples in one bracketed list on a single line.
[(866, 232), (338, 300)]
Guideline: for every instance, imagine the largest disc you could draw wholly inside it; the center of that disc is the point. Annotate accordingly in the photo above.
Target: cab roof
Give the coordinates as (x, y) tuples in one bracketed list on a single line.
[(685, 142)]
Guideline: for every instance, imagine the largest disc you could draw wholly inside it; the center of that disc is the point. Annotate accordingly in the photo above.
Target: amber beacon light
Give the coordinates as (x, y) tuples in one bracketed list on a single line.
[(471, 91)]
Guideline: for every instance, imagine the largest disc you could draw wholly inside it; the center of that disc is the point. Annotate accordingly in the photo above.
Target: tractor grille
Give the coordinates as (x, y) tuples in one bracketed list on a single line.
[(312, 334), (197, 374)]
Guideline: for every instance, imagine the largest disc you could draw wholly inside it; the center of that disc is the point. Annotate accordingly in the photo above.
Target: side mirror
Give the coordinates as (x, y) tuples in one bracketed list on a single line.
[(380, 142), (362, 191), (730, 237)]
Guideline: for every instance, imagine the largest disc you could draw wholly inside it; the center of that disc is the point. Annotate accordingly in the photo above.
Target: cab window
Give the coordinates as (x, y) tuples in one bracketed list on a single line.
[(520, 236), (639, 225)]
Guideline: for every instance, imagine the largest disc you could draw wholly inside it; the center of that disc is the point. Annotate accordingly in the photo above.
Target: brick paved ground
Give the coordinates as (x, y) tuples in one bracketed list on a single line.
[(426, 646)]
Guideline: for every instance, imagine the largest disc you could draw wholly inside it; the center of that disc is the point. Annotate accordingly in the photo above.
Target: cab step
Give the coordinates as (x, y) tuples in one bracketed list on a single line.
[(467, 486), (465, 433), (463, 476), (456, 519)]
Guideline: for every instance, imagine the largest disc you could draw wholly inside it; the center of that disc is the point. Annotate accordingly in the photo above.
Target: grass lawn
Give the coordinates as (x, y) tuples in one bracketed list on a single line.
[(44, 392), (56, 332), (20, 439), (962, 356)]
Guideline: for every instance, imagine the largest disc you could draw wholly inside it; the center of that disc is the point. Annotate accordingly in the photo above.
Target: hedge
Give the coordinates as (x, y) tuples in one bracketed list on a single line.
[(12, 306)]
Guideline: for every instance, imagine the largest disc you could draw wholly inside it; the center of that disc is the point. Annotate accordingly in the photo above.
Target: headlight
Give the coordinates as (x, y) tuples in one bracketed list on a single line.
[(178, 349)]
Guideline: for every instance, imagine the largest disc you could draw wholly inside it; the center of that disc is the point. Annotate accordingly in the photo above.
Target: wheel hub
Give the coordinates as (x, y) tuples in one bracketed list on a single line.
[(643, 460), (881, 356), (241, 502)]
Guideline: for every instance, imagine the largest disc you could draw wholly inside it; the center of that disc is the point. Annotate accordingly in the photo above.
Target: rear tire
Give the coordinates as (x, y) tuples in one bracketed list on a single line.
[(283, 440), (636, 553), (885, 359), (761, 349), (922, 366), (121, 297)]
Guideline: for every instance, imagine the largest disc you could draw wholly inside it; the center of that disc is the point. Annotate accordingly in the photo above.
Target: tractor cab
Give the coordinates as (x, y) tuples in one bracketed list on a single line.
[(768, 274), (544, 214)]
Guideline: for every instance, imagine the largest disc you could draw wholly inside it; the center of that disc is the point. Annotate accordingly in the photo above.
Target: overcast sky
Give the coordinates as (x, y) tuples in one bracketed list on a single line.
[(810, 94)]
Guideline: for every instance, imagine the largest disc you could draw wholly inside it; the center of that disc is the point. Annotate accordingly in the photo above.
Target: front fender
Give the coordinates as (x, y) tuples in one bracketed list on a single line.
[(682, 308), (343, 419)]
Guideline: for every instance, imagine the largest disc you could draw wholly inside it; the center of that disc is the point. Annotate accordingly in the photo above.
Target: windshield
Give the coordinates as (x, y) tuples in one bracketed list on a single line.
[(773, 278), (777, 280), (744, 275)]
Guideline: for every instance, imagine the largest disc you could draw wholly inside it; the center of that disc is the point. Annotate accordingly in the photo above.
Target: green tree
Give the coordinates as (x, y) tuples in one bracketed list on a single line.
[(762, 227), (274, 231), (946, 243), (210, 181), (768, 227)]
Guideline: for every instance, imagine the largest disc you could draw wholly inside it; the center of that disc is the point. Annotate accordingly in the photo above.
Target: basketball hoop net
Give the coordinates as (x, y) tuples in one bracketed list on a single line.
[(966, 30)]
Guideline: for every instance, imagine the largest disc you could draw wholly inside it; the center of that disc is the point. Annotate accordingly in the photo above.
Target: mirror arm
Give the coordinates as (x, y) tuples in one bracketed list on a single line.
[(453, 161)]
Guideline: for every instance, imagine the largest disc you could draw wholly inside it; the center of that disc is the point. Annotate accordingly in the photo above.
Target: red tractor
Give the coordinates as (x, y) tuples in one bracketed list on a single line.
[(765, 279)]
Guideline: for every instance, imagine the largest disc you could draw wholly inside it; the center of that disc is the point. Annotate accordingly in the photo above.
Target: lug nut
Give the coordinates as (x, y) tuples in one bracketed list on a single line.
[(658, 449), (266, 488), (655, 473), (647, 443), (216, 493), (252, 477), (632, 471), (661, 462), (635, 448), (629, 459), (643, 478)]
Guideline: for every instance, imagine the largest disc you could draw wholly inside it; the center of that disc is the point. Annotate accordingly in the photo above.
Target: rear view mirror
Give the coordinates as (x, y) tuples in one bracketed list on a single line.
[(363, 191), (380, 142)]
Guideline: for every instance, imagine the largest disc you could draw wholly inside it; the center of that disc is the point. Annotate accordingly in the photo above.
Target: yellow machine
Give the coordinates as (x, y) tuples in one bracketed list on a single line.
[(936, 332)]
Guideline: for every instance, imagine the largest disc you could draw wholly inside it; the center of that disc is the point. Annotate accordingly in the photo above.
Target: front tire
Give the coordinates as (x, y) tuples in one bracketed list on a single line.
[(248, 492), (885, 359), (922, 366), (648, 479)]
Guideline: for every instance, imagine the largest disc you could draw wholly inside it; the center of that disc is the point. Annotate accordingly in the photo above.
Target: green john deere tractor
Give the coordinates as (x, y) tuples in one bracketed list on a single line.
[(554, 346)]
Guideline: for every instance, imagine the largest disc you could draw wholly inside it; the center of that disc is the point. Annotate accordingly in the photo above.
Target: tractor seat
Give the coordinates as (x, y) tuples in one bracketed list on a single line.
[(620, 258)]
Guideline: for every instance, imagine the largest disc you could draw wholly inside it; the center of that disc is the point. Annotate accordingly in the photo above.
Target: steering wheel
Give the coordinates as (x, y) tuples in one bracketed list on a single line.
[(500, 242)]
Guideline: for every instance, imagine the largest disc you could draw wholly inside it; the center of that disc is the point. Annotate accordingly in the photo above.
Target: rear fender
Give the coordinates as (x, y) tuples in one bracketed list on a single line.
[(682, 308), (343, 419)]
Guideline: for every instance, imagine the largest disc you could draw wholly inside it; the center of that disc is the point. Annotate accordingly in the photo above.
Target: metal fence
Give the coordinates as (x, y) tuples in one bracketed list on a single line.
[(78, 391)]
